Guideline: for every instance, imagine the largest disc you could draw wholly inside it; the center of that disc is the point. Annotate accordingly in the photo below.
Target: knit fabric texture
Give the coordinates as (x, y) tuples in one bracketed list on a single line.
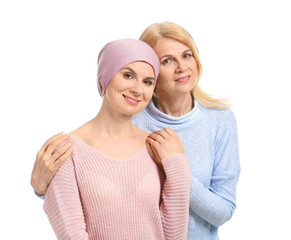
[(93, 196), (210, 142)]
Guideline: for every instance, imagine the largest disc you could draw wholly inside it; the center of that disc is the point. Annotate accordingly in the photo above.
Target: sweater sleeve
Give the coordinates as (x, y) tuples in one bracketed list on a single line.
[(175, 197), (216, 204), (62, 204)]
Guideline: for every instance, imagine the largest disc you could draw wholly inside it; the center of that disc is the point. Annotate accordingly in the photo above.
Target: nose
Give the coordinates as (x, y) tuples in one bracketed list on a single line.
[(181, 67), (136, 88)]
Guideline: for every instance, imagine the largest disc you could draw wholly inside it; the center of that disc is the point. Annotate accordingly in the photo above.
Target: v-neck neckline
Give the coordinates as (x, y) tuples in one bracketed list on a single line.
[(95, 150)]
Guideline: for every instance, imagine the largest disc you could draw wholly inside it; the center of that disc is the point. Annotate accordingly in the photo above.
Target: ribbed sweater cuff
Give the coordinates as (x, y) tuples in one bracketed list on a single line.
[(176, 166)]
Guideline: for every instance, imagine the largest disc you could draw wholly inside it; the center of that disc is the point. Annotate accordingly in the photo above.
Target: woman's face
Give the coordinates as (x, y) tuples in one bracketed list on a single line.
[(131, 89), (178, 72)]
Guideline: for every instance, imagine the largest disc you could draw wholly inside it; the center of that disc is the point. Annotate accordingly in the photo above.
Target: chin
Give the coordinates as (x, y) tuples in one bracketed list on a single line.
[(187, 88), (133, 111), (184, 89)]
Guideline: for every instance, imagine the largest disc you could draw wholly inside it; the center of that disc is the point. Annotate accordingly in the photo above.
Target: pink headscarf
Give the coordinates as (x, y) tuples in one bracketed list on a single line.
[(117, 54)]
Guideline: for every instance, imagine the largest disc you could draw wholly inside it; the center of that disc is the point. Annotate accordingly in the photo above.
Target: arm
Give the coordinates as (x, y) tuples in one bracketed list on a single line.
[(216, 204), (175, 205), (167, 151), (63, 205), (48, 160)]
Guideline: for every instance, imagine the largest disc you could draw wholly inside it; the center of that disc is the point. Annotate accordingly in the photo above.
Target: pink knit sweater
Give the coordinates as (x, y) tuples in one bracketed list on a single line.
[(93, 196)]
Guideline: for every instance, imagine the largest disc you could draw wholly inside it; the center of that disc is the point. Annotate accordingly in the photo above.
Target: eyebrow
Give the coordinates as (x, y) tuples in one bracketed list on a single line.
[(134, 72), (150, 78), (129, 69), (170, 55)]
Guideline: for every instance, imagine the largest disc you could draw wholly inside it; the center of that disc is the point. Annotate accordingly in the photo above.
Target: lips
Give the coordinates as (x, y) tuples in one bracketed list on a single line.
[(131, 100), (183, 79)]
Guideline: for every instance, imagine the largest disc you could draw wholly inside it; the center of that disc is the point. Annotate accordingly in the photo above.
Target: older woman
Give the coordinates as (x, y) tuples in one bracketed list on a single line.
[(206, 127)]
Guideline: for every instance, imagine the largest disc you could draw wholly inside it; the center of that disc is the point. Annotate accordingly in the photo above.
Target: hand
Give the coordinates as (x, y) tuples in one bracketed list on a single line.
[(162, 144), (48, 160)]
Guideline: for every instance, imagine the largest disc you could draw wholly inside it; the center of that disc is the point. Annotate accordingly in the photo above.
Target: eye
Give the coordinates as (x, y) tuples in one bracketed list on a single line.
[(148, 82), (187, 55), (166, 61), (128, 75)]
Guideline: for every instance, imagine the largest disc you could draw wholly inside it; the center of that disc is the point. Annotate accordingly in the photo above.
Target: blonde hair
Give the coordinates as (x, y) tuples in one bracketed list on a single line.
[(156, 31)]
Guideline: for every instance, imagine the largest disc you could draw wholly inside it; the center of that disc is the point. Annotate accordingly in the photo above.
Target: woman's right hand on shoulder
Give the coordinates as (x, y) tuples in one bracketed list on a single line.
[(162, 144), (48, 160)]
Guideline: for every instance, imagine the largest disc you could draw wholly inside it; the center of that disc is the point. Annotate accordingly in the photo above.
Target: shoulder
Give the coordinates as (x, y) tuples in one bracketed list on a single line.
[(83, 135), (220, 122), (81, 131), (141, 134), (220, 116), (223, 125)]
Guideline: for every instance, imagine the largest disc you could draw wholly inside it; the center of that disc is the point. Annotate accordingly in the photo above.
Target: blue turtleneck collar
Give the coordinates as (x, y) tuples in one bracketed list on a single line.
[(170, 120)]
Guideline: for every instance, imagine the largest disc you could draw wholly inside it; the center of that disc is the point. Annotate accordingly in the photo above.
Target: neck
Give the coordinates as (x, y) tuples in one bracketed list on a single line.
[(174, 106), (110, 124)]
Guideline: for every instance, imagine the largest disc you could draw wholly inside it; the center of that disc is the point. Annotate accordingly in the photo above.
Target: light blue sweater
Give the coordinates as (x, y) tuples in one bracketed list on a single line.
[(209, 138)]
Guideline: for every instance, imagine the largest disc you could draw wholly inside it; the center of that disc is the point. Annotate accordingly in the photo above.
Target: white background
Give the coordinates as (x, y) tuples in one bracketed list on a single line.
[(48, 52)]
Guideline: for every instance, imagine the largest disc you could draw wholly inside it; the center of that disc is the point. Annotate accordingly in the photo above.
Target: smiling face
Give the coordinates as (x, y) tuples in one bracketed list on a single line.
[(178, 72), (131, 88)]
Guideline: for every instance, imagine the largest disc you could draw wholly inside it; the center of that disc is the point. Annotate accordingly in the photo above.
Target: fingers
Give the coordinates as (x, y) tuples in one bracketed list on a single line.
[(153, 153), (156, 138), (153, 144), (49, 159), (62, 159), (52, 146), (62, 150), (165, 143), (170, 131), (48, 153), (44, 147), (150, 150), (160, 136)]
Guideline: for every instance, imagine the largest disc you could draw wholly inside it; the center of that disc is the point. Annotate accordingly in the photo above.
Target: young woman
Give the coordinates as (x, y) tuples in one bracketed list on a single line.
[(206, 127), (110, 188)]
